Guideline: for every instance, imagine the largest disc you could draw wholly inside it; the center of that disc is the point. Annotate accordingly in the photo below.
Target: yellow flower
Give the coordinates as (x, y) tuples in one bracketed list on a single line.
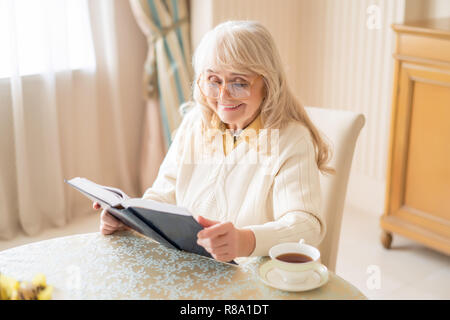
[(45, 294), (39, 280), (8, 286), (11, 289)]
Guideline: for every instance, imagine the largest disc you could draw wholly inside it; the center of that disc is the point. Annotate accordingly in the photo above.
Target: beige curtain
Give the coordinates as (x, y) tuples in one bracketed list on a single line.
[(66, 117), (167, 76)]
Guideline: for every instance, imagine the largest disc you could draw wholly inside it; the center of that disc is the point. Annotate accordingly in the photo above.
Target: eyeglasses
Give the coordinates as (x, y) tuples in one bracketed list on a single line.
[(237, 90)]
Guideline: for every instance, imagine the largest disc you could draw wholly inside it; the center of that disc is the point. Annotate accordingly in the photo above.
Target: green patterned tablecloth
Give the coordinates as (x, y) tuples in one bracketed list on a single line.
[(126, 265)]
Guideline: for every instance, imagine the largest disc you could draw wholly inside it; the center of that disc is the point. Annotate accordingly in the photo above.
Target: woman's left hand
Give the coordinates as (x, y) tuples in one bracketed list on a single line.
[(224, 241)]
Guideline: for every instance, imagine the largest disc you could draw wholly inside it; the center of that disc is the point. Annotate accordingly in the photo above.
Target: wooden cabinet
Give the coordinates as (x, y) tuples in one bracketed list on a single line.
[(418, 176)]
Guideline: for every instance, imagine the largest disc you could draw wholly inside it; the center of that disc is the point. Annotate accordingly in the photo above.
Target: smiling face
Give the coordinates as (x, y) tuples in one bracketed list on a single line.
[(236, 113)]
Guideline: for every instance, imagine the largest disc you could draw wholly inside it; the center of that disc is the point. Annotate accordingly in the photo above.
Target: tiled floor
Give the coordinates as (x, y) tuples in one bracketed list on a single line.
[(407, 271)]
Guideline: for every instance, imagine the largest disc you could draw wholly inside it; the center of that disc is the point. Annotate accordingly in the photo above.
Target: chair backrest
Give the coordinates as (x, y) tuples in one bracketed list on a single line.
[(342, 129)]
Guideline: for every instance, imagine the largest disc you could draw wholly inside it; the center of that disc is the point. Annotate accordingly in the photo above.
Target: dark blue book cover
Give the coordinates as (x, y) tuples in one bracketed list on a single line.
[(171, 226)]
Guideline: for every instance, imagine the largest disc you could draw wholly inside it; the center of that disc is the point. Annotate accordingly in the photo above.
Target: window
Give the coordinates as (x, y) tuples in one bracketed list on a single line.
[(41, 35)]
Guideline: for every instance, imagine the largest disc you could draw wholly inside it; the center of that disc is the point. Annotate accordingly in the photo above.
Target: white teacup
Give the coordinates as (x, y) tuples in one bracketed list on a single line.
[(296, 272)]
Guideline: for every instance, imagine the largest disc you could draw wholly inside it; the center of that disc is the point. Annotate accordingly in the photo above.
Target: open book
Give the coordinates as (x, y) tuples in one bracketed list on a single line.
[(170, 225)]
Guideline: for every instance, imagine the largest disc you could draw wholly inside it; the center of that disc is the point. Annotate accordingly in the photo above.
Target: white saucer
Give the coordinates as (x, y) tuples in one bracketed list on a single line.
[(271, 277)]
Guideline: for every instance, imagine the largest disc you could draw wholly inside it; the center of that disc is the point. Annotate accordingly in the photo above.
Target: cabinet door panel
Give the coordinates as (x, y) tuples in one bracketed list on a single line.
[(421, 161)]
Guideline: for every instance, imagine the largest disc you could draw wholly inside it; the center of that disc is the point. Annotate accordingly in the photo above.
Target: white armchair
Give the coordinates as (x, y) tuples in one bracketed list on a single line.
[(342, 129)]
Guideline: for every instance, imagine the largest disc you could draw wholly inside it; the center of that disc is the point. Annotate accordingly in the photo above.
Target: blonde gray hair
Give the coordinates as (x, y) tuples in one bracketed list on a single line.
[(247, 46)]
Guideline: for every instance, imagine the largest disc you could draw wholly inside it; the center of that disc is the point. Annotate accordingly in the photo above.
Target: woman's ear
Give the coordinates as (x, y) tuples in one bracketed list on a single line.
[(264, 89), (264, 97)]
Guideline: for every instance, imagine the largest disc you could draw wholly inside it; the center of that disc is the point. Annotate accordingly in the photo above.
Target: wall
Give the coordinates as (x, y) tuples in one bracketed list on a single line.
[(424, 9)]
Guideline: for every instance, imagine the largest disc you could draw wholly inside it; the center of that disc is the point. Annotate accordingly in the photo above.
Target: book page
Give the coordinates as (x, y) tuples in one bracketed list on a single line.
[(96, 192), (122, 194), (155, 205)]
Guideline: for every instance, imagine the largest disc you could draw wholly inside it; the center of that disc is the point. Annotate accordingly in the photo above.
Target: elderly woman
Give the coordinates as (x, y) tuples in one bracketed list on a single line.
[(246, 158)]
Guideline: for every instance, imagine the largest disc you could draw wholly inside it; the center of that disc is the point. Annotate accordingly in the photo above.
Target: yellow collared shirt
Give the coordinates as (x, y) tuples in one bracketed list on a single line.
[(249, 134)]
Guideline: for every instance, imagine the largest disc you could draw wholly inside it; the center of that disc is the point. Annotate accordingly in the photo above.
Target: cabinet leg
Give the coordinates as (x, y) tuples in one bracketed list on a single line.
[(386, 239)]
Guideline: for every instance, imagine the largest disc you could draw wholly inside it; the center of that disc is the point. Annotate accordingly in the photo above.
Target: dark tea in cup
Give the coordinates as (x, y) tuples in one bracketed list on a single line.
[(295, 262), (294, 257)]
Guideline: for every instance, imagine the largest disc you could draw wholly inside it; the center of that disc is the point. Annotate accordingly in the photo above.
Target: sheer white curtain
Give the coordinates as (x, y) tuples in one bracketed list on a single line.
[(70, 105)]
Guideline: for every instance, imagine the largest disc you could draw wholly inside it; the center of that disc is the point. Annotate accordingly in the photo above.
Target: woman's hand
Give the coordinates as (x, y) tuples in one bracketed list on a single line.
[(108, 224), (224, 241)]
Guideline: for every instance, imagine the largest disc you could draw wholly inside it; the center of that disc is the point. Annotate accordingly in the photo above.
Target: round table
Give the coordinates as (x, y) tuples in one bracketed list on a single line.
[(126, 265)]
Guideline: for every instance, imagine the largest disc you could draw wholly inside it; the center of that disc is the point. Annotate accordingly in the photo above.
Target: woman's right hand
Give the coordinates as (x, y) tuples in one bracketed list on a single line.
[(108, 224)]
